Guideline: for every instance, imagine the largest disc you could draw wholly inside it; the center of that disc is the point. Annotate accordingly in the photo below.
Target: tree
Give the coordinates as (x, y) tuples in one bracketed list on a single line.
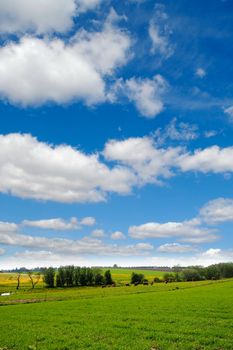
[(18, 280), (99, 279), (137, 278), (108, 277), (49, 275), (69, 275), (191, 274), (168, 277), (34, 278)]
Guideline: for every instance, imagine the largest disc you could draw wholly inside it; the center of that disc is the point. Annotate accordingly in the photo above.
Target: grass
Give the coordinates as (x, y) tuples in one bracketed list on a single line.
[(193, 315)]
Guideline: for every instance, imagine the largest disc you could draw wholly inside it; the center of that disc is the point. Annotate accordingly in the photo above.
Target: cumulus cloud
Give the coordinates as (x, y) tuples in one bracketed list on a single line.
[(212, 159), (36, 16), (36, 71), (85, 245), (218, 211), (41, 16), (61, 173), (88, 221), (146, 94), (141, 155), (160, 32), (117, 235), (186, 231), (98, 233), (175, 248), (53, 224), (65, 174)]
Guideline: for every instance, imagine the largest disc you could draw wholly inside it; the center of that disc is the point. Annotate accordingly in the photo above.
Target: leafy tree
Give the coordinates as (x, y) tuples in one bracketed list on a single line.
[(108, 277), (49, 275), (168, 277), (191, 274), (137, 278), (99, 279), (69, 276), (61, 277), (77, 276)]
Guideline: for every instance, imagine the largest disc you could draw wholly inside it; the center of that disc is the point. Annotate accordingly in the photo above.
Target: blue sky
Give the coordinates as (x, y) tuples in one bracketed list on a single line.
[(116, 132)]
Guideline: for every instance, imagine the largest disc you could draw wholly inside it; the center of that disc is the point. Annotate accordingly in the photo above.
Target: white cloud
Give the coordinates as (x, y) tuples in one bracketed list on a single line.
[(146, 94), (218, 211), (176, 132), (213, 159), (65, 174), (159, 32), (53, 224), (86, 5), (60, 224), (88, 221), (36, 71), (200, 72), (175, 248), (41, 16), (60, 173), (212, 253), (98, 233), (229, 112), (41, 255), (117, 235), (186, 231), (63, 246), (141, 155), (8, 227), (205, 258)]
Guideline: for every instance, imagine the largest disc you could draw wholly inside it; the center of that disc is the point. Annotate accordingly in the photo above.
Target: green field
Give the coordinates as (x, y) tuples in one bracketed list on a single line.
[(185, 315)]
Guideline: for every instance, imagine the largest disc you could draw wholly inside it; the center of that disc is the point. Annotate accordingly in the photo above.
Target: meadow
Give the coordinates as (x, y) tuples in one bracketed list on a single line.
[(184, 315)]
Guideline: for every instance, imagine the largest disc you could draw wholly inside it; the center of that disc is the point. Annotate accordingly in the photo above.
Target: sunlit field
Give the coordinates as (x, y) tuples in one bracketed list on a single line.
[(184, 315)]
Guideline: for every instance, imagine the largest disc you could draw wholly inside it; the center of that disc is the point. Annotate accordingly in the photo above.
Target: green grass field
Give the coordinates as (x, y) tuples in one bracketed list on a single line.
[(186, 315)]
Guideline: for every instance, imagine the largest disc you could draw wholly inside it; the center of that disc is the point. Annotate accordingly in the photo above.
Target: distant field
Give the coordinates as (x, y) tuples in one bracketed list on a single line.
[(181, 316), (122, 276)]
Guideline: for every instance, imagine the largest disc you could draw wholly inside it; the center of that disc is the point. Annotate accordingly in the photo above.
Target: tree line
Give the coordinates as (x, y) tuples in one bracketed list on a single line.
[(74, 276), (199, 273), (187, 274)]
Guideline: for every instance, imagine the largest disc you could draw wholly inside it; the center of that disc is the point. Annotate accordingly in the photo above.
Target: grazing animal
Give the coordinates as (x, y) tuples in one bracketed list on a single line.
[(103, 286), (127, 285)]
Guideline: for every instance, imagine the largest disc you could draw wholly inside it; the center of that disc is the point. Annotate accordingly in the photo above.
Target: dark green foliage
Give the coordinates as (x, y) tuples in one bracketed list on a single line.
[(108, 277), (168, 277), (71, 276), (137, 278), (99, 279), (49, 276), (191, 275), (198, 273)]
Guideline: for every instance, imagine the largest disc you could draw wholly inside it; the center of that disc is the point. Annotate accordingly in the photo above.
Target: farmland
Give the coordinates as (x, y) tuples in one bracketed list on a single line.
[(185, 315)]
